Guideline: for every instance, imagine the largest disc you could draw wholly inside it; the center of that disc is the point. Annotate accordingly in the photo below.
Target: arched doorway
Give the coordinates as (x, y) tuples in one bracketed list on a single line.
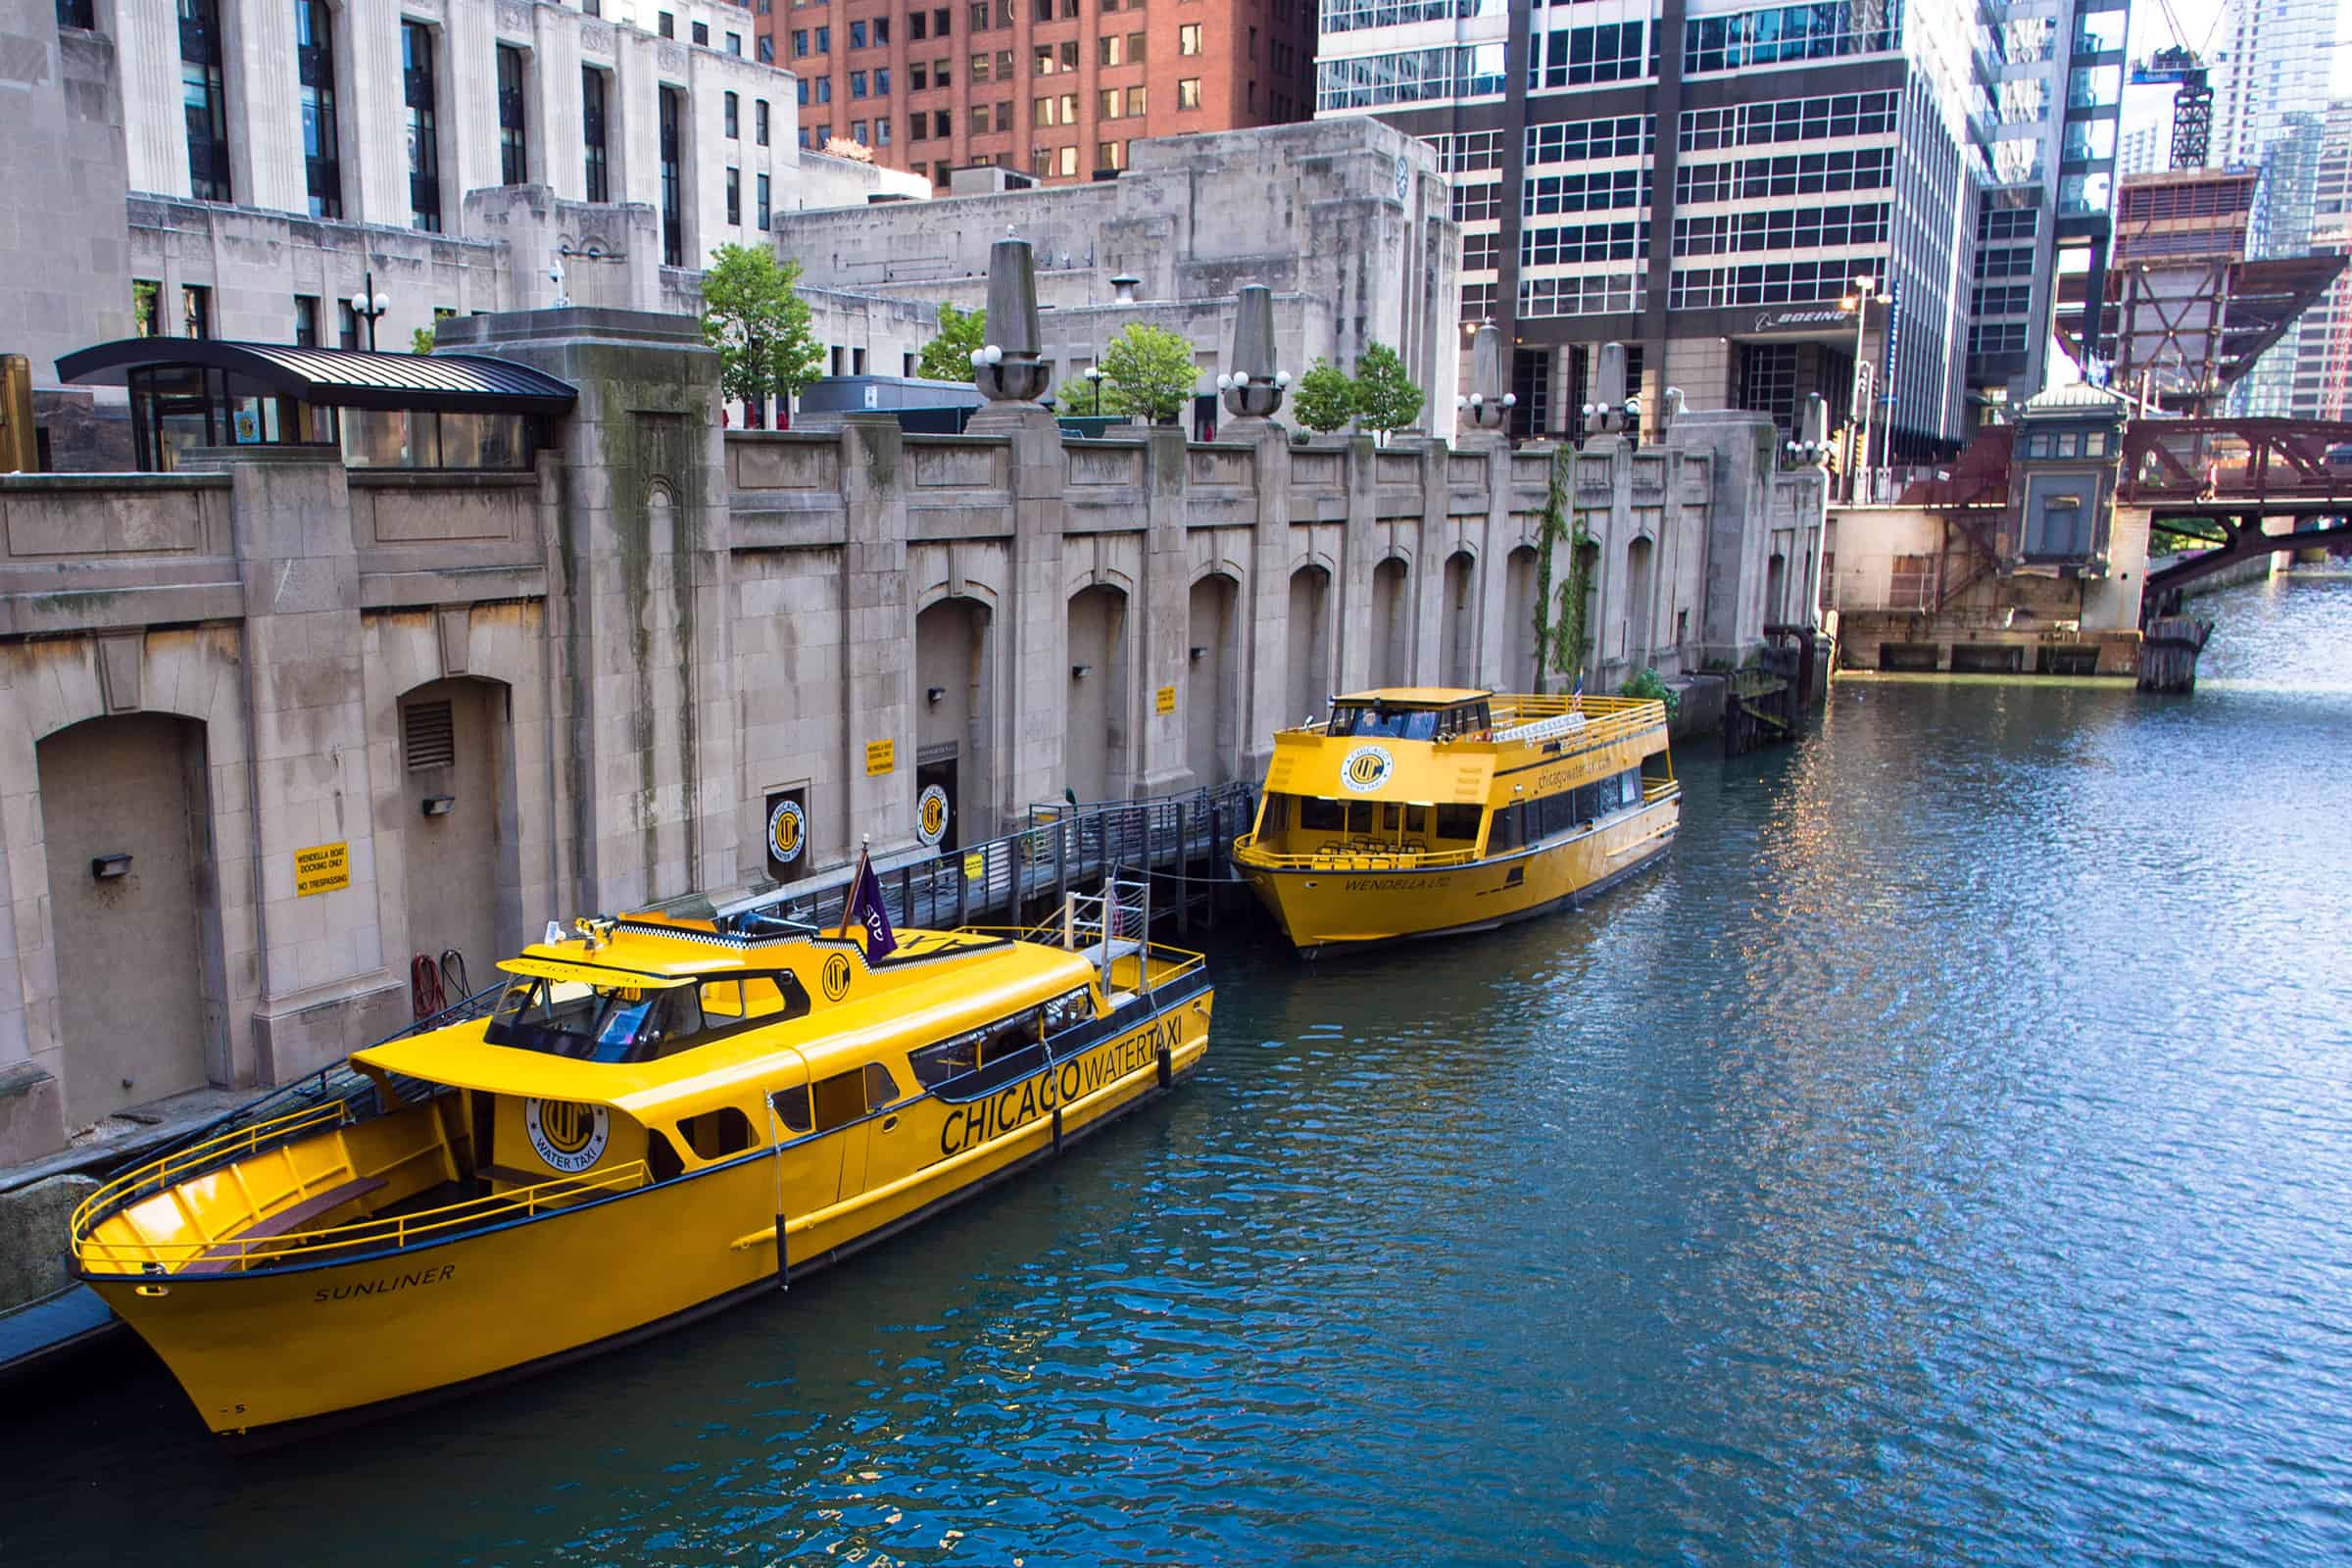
[(1213, 703), (1519, 620), (1637, 589), (1461, 640), (459, 832), (127, 830), (1776, 590), (1391, 626), (1095, 745), (1307, 682), (950, 718)]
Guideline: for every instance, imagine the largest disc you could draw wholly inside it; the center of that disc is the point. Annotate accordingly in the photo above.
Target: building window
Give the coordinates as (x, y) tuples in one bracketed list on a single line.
[(800, 43), (858, 131), (701, 34), (314, 68), (513, 142), (857, 34), (76, 13), (306, 320), (347, 326), (765, 49), (666, 26), (882, 132), (731, 118), (204, 100), (759, 121), (735, 44), (824, 40), (1110, 155), (673, 218), (196, 310), (857, 85), (942, 124), (918, 76), (734, 198), (762, 211), (1066, 161), (1188, 93), (918, 27), (1134, 101), (882, 81), (1188, 38), (592, 133), (418, 90)]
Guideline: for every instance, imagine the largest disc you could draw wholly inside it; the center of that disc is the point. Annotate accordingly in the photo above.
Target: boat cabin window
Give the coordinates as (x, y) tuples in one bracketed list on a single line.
[(881, 1089), (594, 1023), (1508, 831), (840, 1099), (1068, 1011), (1459, 822), (792, 1108), (946, 1061), (715, 1134), (752, 999), (1389, 721), (1320, 815)]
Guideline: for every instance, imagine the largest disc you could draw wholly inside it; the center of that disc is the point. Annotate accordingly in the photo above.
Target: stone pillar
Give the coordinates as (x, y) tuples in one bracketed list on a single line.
[(1359, 550), (877, 658), (1265, 604), (1159, 621), (639, 595), (1427, 582), (1033, 663), (325, 987), (1499, 535)]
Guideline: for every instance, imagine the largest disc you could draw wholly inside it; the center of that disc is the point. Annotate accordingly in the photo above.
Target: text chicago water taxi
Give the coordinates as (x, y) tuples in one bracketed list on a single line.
[(718, 1105)]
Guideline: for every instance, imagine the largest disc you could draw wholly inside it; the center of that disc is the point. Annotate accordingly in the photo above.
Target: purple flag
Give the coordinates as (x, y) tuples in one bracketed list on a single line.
[(865, 906)]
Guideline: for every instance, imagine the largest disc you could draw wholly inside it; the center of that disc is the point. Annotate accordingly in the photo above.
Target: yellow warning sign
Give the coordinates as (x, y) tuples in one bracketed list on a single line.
[(321, 868), (1164, 700), (975, 866), (880, 758)]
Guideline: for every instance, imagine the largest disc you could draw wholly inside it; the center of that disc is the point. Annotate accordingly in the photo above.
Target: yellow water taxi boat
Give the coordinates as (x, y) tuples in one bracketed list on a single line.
[(1414, 811), (653, 1120)]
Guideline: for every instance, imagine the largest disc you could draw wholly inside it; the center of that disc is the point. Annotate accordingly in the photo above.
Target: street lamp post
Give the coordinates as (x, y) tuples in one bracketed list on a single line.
[(1094, 375), (369, 306), (1858, 413)]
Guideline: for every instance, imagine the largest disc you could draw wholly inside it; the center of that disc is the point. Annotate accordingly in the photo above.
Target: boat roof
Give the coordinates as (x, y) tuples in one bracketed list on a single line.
[(936, 984), (1416, 696)]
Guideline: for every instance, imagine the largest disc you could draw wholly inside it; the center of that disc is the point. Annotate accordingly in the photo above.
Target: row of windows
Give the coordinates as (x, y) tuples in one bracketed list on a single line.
[(1573, 141), (2007, 223), (1351, 15), (1478, 301), (735, 199), (1846, 114), (1599, 294), (1997, 337), (1482, 252), (1571, 243), (1573, 57), (1478, 202), (1782, 33), (1408, 76), (1700, 288), (1598, 192), (1788, 229), (1789, 174), (2014, 262), (2001, 299), (1467, 151), (1531, 821)]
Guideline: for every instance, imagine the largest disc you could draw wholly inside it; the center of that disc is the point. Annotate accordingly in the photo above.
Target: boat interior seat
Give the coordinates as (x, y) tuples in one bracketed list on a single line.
[(222, 1255), (1119, 999)]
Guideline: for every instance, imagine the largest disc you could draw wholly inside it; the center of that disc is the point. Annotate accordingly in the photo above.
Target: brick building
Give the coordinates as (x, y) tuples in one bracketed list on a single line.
[(1054, 88)]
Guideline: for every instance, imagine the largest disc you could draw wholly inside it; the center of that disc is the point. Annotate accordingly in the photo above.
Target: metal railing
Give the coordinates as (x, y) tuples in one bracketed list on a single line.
[(241, 1143), (392, 1231), (1351, 856)]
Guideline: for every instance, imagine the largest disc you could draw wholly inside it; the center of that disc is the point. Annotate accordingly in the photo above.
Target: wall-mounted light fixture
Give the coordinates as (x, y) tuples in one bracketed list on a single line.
[(440, 805), (933, 694), (1078, 672), (1197, 654), (106, 867)]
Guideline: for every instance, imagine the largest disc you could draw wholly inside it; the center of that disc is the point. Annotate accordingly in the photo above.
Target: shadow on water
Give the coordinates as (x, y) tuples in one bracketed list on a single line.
[(1942, 1158)]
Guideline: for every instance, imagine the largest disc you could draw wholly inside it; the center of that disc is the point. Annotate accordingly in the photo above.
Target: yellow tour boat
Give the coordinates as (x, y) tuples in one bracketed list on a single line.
[(653, 1119), (1415, 812)]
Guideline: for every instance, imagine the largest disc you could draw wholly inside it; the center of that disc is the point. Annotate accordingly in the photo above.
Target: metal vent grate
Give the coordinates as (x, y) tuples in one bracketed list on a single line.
[(429, 736)]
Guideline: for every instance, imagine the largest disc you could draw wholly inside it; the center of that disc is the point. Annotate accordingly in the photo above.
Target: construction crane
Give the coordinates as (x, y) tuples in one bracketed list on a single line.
[(2192, 100)]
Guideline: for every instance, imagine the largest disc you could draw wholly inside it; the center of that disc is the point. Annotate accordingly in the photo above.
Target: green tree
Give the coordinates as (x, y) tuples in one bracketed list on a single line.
[(420, 341), (1386, 399), (753, 314), (948, 356), (145, 314), (1324, 398), (1148, 370)]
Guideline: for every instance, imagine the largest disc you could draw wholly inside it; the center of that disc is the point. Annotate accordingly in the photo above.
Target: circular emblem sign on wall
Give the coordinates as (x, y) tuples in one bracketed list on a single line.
[(787, 831), (569, 1136), (1367, 767), (931, 814)]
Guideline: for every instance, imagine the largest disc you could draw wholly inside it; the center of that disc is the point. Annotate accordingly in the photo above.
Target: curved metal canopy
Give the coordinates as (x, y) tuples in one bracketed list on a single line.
[(349, 378)]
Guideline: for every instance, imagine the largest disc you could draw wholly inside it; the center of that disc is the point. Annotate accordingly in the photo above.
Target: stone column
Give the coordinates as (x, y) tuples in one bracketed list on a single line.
[(1160, 625), (1265, 604), (877, 658), (1352, 615), (325, 987)]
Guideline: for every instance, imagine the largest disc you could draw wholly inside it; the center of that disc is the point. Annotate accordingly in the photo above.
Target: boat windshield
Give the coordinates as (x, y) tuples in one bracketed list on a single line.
[(1392, 723), (590, 1023)]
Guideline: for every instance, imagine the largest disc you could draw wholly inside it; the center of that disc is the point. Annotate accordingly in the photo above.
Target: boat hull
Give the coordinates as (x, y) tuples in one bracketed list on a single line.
[(301, 1344), (1326, 907)]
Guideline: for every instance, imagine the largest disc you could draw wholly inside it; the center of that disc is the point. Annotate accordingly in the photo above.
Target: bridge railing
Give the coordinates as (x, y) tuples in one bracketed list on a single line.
[(2235, 459)]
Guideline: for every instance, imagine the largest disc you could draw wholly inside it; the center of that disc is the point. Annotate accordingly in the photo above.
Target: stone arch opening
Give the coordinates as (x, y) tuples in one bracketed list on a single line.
[(1638, 556), (1307, 681), (1519, 620), (1095, 746), (1775, 589), (1461, 610), (952, 676), (134, 912), (1212, 685), (459, 825), (1392, 626)]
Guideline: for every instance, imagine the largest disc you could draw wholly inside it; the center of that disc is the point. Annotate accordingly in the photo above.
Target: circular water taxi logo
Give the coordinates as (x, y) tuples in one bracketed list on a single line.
[(836, 977), (570, 1136), (787, 831), (931, 816), (1367, 767)]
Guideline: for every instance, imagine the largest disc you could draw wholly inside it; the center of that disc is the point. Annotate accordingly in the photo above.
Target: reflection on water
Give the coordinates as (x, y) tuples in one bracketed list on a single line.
[(1943, 1158)]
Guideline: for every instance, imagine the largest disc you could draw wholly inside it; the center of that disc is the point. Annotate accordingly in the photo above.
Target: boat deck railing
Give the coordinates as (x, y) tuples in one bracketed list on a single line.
[(239, 1142), (1364, 855), (382, 1233)]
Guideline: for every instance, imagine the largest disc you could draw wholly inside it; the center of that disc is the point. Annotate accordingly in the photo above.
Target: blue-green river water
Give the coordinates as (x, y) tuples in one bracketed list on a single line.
[(1946, 1157)]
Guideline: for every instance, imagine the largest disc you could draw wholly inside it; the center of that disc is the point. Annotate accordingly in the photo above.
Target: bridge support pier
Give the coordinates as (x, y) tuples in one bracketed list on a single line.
[(2167, 653)]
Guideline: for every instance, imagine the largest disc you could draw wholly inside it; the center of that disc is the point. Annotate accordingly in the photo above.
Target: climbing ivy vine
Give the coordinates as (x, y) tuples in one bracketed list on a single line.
[(1561, 647)]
